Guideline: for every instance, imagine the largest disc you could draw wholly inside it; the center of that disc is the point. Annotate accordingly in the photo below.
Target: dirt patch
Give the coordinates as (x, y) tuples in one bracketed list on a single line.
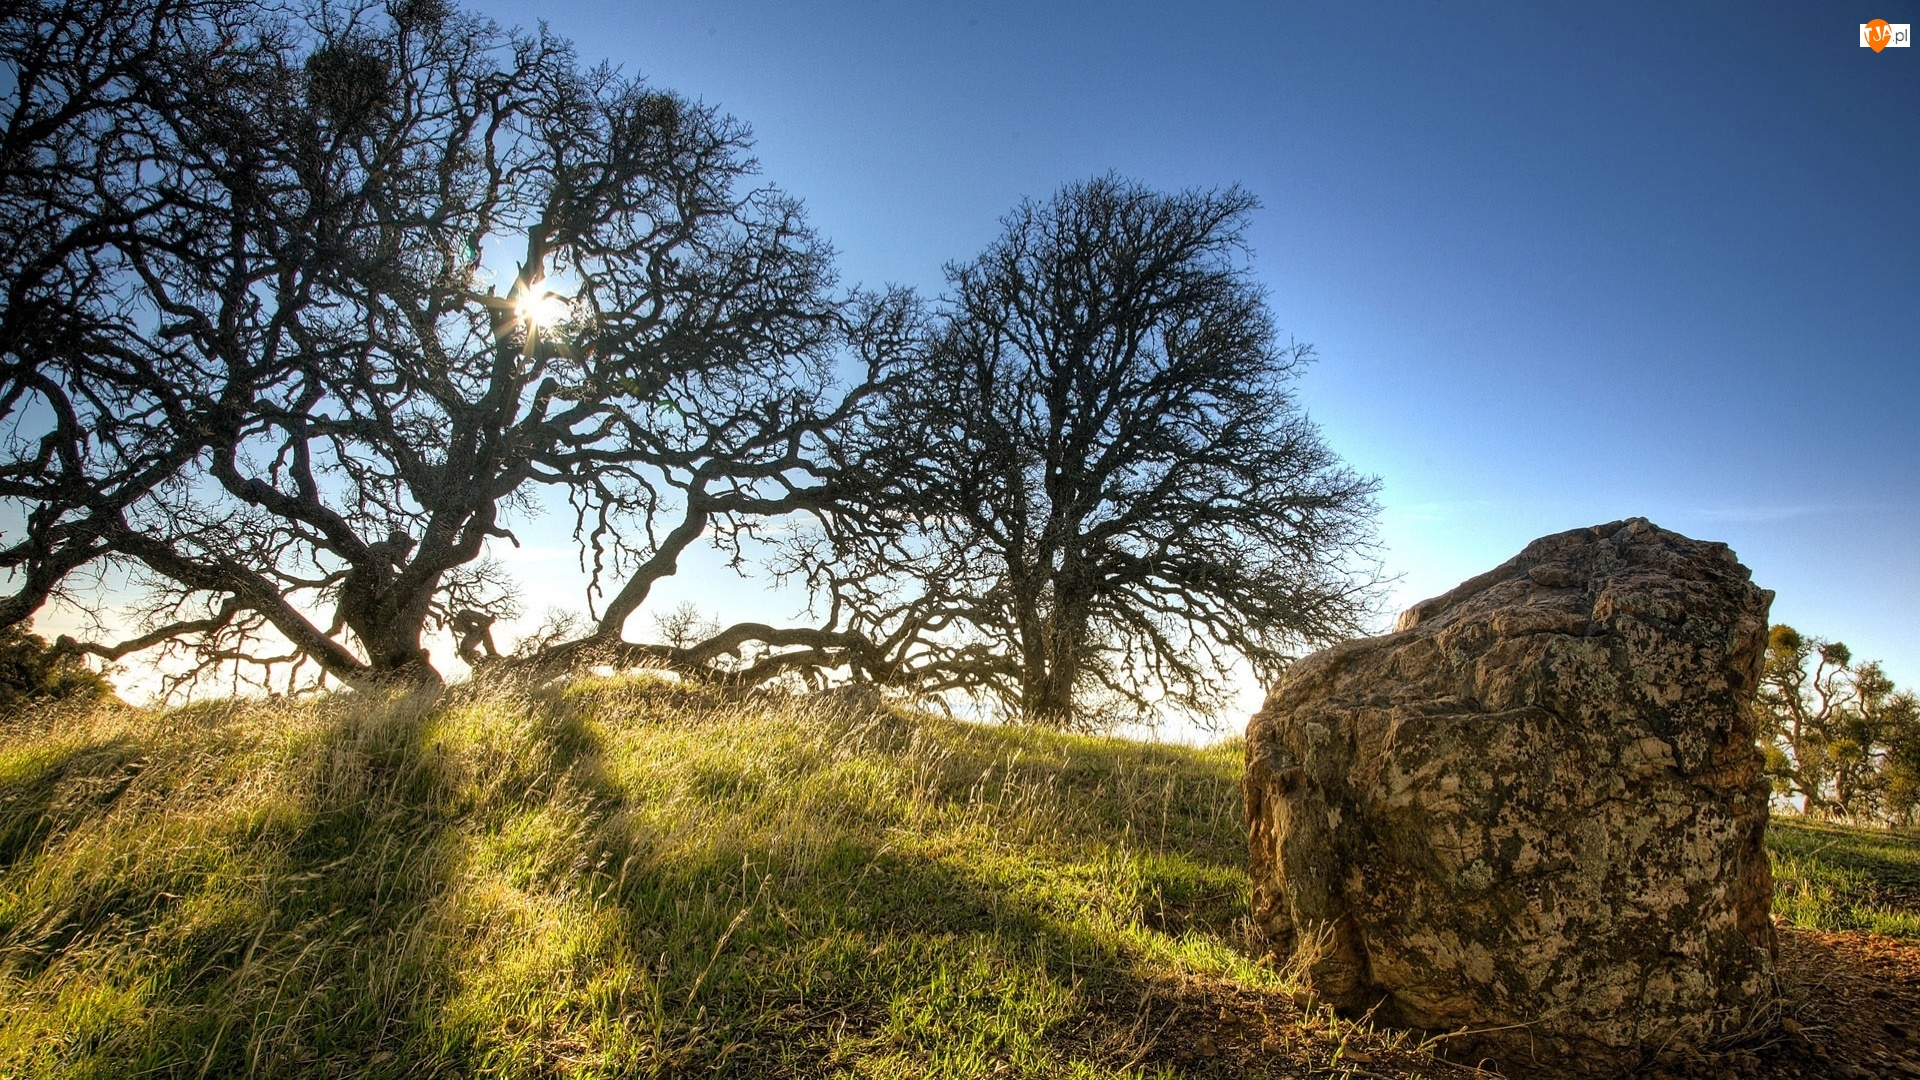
[(1209, 1029), (1849, 1007)]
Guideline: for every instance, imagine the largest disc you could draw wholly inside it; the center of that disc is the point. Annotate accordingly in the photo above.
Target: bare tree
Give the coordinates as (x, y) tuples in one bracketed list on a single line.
[(685, 626), (1091, 482), (1799, 711), (92, 428), (279, 390)]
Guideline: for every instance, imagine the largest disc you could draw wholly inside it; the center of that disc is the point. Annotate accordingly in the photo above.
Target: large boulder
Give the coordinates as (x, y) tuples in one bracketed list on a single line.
[(1534, 811)]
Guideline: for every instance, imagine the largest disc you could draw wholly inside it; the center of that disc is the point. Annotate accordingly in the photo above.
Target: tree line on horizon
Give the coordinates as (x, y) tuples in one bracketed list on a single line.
[(307, 307)]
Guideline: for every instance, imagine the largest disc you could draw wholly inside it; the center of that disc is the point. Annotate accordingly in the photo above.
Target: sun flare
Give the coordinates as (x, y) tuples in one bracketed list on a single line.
[(542, 309)]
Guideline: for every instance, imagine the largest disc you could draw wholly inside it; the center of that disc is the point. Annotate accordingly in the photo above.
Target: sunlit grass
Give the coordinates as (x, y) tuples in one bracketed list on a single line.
[(625, 877), (607, 878), (1840, 877)]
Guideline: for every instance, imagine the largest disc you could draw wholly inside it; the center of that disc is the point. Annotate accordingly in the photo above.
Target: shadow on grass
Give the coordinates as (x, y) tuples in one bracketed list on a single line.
[(214, 902), (44, 790), (481, 885), (1889, 856)]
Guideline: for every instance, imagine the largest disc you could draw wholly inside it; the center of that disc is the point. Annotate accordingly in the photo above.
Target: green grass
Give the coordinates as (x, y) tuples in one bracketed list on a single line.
[(1842, 877), (616, 878), (629, 878)]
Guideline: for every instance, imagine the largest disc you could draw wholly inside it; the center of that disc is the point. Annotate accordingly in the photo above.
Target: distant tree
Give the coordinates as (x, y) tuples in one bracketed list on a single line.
[(1838, 735), (1798, 707), (1877, 769), (32, 670), (253, 361), (684, 626), (1901, 770), (1090, 485)]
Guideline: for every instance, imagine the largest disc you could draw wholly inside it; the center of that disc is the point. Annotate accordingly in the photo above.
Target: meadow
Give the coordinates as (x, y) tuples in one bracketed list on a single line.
[(629, 877)]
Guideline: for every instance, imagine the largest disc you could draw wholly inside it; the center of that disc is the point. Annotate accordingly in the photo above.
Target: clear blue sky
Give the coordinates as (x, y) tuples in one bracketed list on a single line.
[(1559, 269)]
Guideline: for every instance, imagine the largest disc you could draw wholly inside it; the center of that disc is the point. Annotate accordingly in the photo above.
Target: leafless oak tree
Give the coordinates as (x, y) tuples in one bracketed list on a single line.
[(1091, 483), (89, 431), (252, 358), (304, 304)]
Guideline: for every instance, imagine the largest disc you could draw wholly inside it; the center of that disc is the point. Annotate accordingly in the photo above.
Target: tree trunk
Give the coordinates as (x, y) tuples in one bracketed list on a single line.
[(1047, 697), (1053, 667), (389, 623)]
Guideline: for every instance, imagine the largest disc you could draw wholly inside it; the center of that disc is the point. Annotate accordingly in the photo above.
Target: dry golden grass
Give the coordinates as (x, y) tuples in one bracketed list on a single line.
[(626, 877), (608, 877)]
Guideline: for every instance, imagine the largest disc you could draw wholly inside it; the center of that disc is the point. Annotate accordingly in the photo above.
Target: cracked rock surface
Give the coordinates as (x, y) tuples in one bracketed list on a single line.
[(1534, 811)]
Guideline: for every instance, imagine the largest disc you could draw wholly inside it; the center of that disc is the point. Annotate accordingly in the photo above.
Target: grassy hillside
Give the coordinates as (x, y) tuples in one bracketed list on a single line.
[(629, 878), (1837, 877)]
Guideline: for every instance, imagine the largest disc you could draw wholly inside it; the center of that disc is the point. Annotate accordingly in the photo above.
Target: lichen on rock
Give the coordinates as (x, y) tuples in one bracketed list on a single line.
[(1534, 811)]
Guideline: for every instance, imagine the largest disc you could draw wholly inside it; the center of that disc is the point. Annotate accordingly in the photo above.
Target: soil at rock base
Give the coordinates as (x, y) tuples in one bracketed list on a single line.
[(1849, 1007)]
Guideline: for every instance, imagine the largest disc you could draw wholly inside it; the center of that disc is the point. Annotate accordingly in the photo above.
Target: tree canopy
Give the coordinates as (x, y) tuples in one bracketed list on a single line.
[(306, 304), (1089, 485), (31, 670), (308, 307), (1838, 734)]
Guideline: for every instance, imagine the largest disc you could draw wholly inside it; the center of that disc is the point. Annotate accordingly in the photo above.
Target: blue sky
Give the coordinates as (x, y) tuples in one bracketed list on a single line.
[(1559, 270)]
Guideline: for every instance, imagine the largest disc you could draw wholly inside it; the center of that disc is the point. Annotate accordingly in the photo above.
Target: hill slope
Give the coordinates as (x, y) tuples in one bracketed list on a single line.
[(621, 878)]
